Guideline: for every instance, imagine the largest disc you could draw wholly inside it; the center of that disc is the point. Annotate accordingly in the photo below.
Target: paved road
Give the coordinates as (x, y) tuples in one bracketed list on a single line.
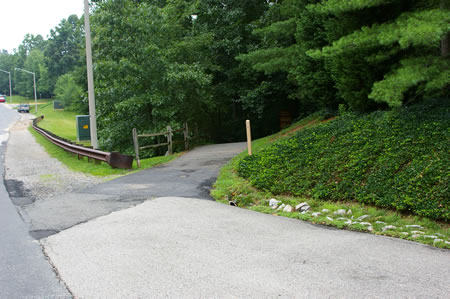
[(191, 248), (143, 236), (188, 176), (24, 270)]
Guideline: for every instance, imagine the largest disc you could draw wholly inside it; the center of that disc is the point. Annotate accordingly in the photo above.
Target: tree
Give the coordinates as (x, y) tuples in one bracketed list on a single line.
[(34, 62), (64, 48), (396, 44), (287, 32), (139, 83), (68, 92)]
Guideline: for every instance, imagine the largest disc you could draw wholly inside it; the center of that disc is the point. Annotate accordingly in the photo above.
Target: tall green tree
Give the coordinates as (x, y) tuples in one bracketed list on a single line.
[(388, 49), (64, 49), (138, 81), (286, 32), (24, 84)]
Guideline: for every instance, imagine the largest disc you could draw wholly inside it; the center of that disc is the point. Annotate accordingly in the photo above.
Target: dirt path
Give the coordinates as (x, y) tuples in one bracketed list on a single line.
[(31, 174)]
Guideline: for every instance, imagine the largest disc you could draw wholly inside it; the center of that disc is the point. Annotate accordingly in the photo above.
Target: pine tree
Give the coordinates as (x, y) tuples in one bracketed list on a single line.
[(404, 50)]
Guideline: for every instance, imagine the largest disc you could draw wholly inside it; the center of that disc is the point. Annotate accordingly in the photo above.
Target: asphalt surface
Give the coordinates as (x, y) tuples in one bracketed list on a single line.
[(156, 234), (191, 175), (192, 248), (24, 269)]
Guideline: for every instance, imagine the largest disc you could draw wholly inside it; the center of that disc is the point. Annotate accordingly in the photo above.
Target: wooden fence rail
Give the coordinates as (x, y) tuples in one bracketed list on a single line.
[(169, 142)]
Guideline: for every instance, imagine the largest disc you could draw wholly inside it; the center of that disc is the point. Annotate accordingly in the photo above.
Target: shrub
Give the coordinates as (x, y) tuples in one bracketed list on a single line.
[(397, 159)]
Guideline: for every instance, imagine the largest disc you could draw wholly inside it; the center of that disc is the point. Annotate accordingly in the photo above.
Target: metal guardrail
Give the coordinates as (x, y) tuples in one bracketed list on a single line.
[(114, 159)]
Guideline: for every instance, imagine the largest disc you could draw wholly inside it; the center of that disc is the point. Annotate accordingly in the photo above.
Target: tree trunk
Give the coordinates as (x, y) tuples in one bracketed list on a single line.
[(446, 38)]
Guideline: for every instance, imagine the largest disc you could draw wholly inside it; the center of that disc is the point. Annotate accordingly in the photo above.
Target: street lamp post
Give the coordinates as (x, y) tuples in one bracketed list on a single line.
[(34, 83), (90, 75), (10, 90)]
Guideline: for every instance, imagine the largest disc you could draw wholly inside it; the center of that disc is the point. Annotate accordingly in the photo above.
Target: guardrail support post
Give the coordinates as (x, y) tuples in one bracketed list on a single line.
[(136, 147), (186, 136), (169, 140)]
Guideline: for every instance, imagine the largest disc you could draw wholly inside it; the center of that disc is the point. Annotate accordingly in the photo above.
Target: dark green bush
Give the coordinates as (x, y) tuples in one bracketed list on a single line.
[(397, 159)]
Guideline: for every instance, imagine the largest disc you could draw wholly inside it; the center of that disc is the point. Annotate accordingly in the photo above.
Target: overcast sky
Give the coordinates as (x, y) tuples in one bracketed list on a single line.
[(19, 17)]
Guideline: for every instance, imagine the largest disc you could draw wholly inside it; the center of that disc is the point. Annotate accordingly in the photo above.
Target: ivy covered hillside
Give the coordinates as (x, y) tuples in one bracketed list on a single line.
[(396, 159)]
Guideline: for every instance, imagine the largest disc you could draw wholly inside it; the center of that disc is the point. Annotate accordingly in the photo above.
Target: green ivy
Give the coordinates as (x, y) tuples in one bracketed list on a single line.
[(396, 159)]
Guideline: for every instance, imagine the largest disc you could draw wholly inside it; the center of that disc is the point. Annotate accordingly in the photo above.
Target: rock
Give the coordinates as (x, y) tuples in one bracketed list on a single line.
[(437, 240), (348, 222), (325, 210), (329, 218), (429, 237), (370, 228), (300, 205), (304, 212), (438, 234), (417, 232), (232, 203), (349, 212), (361, 218), (366, 223), (281, 207), (405, 233), (305, 208), (288, 209), (447, 242), (415, 236), (340, 212), (342, 219), (389, 227), (414, 226), (316, 214), (380, 222), (273, 202), (274, 207)]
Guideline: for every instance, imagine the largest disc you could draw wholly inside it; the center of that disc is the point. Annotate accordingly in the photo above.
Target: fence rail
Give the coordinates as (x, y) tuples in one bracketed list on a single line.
[(114, 159), (169, 142)]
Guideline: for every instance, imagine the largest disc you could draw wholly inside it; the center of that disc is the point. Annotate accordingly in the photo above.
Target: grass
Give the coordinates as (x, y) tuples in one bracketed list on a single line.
[(102, 169), (59, 122), (63, 124), (230, 186)]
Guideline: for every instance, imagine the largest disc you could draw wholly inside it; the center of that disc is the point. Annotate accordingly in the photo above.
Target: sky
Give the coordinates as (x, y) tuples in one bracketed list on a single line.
[(19, 17)]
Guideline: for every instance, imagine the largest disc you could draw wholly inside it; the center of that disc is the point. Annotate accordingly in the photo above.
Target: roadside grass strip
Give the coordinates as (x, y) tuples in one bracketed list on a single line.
[(102, 169), (231, 188)]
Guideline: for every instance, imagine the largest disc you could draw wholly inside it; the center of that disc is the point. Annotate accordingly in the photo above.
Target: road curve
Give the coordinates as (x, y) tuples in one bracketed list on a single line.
[(191, 175)]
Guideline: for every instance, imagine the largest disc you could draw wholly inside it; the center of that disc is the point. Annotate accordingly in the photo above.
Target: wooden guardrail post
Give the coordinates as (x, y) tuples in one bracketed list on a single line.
[(169, 140), (186, 136), (136, 147), (249, 137)]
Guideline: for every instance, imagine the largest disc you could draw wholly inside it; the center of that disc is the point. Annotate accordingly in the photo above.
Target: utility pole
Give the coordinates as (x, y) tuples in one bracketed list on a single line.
[(90, 75), (10, 90)]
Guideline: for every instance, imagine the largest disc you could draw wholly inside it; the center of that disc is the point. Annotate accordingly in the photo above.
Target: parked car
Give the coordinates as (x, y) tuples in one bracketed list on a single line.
[(2, 98), (24, 108)]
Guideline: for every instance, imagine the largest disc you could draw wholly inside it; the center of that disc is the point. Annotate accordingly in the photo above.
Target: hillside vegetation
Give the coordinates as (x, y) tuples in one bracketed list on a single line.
[(395, 159)]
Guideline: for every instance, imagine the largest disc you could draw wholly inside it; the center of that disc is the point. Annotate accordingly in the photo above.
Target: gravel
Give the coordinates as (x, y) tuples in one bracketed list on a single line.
[(37, 175)]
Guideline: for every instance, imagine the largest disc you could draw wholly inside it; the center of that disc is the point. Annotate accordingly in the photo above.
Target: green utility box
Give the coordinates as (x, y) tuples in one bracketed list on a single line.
[(57, 105), (83, 128)]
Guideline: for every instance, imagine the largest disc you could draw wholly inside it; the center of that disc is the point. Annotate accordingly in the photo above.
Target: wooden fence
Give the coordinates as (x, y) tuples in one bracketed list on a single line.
[(169, 142)]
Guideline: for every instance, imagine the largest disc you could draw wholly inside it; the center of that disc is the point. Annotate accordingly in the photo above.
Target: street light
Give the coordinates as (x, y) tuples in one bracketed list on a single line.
[(10, 90), (34, 81), (90, 75)]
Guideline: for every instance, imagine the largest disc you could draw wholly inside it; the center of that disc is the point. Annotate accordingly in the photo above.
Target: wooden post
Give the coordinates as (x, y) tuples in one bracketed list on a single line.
[(136, 147), (169, 140), (249, 137), (186, 136)]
